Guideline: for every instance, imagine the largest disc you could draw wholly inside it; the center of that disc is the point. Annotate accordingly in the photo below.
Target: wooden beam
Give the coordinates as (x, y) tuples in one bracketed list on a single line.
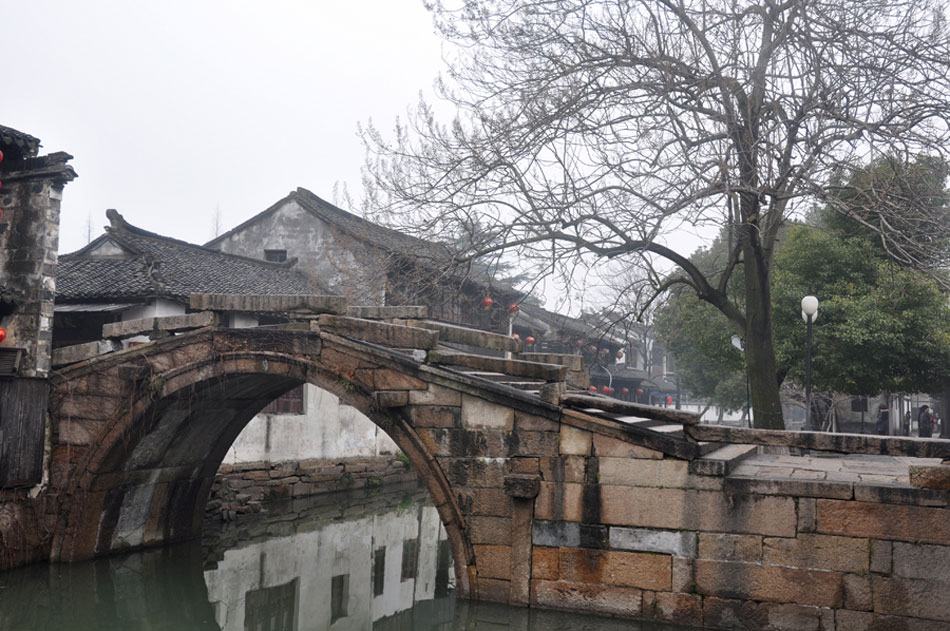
[(514, 367), (382, 333), (268, 304), (821, 441), (616, 406), (168, 324), (470, 337)]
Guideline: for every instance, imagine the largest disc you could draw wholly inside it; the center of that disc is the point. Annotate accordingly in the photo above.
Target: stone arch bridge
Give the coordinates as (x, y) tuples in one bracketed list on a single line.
[(550, 497)]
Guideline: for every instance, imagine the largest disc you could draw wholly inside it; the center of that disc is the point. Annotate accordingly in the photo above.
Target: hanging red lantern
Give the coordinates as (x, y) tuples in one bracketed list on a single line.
[(593, 388), (1, 156), (591, 349), (513, 309), (3, 335), (639, 392), (669, 400), (579, 343), (529, 340), (487, 303), (604, 389), (515, 336), (619, 355), (610, 390), (625, 391)]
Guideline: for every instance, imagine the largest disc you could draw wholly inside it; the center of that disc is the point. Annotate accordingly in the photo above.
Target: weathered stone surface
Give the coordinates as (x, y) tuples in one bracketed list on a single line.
[(545, 563), (725, 547), (857, 592), (909, 496), (81, 352), (678, 608), (560, 501), (930, 476), (493, 590), (607, 447), (911, 597), (435, 415), (824, 552), (617, 406), (490, 530), (722, 461), (534, 444), (493, 561), (484, 501), (392, 398), (807, 514), (796, 488), (187, 322), (435, 395), (847, 620), (697, 510), (681, 575), (616, 568), (478, 413), (882, 554), (574, 441), (268, 303), (921, 561), (617, 601), (387, 312), (884, 521), (469, 337), (475, 472), (556, 534), (533, 423), (639, 472), (824, 441), (677, 543), (513, 367), (383, 333), (524, 486), (571, 362), (747, 581)]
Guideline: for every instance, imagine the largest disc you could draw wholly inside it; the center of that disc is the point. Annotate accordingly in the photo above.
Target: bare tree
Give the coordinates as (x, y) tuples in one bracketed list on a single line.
[(598, 128)]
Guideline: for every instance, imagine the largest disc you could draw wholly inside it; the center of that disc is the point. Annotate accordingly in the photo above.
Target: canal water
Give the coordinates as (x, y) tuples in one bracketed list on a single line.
[(343, 562)]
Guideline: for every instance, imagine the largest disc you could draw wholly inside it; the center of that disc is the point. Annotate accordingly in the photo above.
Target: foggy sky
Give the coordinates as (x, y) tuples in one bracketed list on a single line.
[(175, 108)]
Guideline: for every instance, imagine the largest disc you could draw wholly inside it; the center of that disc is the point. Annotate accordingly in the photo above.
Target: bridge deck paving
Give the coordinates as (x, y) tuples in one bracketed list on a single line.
[(889, 470)]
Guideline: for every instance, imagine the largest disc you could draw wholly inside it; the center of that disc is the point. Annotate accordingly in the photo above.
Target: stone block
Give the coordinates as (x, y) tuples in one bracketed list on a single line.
[(904, 495), (846, 620), (882, 554), (268, 303), (522, 485), (475, 472), (687, 509), (573, 469), (533, 423), (556, 534), (545, 563), (478, 413), (680, 543), (489, 530), (386, 399), (722, 613), (77, 431), (560, 501), (807, 514), (617, 601), (484, 501), (681, 576), (387, 379), (616, 568), (574, 441), (821, 552), (677, 608), (748, 581), (89, 406), (911, 597), (607, 447), (725, 547), (523, 465), (493, 590), (930, 476), (435, 395), (857, 592), (795, 488), (493, 561), (640, 472), (921, 561), (434, 416), (884, 521)]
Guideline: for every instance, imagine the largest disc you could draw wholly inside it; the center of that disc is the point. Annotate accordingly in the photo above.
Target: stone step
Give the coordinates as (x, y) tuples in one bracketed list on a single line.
[(722, 459)]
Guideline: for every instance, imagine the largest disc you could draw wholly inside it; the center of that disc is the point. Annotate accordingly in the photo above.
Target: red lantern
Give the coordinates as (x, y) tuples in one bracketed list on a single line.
[(592, 388), (619, 355), (625, 391), (610, 391), (515, 336), (579, 343), (605, 389), (487, 303), (604, 351), (529, 340), (591, 349), (669, 400), (1, 156), (3, 335), (639, 392), (513, 309)]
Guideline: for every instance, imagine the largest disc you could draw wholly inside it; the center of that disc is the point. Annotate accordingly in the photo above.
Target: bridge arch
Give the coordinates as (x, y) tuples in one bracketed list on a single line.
[(145, 476)]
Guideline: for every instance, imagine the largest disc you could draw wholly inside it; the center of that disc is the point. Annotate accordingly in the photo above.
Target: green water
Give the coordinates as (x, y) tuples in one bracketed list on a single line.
[(332, 563)]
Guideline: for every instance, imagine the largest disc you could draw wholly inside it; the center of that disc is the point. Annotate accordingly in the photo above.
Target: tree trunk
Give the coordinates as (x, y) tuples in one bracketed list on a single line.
[(759, 350)]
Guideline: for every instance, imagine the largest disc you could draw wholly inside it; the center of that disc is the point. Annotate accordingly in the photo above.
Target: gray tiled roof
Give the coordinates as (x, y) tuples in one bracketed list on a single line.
[(155, 265)]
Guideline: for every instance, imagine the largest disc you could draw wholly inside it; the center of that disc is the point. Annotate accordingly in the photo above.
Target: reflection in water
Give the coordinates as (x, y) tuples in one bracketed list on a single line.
[(331, 563)]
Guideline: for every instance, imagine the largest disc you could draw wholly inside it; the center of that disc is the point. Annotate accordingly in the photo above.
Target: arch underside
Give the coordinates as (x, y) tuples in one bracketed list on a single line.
[(148, 482)]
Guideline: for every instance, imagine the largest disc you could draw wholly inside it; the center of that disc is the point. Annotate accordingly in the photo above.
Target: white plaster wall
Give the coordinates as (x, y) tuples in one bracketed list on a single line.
[(315, 557), (326, 430), (155, 308)]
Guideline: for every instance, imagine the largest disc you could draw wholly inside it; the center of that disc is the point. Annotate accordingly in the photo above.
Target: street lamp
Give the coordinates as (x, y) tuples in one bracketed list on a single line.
[(809, 313)]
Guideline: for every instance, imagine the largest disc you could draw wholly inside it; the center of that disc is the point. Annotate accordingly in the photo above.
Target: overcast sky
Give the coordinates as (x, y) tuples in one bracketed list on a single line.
[(175, 108)]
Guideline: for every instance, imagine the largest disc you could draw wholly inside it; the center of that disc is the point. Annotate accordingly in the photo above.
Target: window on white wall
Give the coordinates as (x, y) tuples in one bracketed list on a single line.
[(291, 402), (275, 256)]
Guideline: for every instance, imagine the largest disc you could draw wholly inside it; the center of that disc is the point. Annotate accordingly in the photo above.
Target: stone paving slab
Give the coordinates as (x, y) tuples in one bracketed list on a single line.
[(882, 470)]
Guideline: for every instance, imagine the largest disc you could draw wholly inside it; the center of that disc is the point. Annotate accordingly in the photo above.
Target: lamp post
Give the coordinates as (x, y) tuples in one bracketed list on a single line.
[(809, 313)]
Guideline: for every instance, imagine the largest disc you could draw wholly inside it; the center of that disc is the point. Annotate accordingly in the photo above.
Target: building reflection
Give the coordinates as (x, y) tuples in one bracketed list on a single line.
[(337, 564)]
